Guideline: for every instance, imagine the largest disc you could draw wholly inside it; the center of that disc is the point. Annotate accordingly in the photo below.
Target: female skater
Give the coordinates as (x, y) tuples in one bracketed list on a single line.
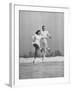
[(36, 43)]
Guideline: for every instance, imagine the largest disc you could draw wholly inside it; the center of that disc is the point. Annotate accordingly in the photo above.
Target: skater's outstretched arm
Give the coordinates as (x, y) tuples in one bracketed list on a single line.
[(48, 35)]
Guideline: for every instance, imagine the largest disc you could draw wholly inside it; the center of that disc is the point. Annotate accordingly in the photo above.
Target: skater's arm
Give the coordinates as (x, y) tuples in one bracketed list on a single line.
[(48, 35), (34, 38)]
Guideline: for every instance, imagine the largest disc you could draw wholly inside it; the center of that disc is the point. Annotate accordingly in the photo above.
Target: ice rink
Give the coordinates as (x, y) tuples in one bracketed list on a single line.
[(51, 67)]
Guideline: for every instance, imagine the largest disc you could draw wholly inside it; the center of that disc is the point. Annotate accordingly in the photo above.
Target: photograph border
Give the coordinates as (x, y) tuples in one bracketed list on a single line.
[(14, 45)]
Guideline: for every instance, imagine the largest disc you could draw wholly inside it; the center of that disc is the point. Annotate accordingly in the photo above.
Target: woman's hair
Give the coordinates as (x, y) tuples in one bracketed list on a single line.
[(43, 26), (37, 32)]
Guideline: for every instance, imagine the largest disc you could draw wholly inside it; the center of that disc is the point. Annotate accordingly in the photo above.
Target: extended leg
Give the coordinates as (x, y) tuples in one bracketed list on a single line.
[(43, 54), (35, 54)]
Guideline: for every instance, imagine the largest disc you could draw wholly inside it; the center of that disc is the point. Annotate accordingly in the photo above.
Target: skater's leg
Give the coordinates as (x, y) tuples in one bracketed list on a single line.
[(43, 54), (48, 49), (35, 54)]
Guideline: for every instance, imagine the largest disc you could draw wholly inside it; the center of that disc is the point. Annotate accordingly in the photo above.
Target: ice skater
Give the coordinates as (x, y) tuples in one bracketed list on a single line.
[(36, 43), (44, 43)]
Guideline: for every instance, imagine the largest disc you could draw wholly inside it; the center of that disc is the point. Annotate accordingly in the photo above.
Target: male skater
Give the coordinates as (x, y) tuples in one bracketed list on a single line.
[(45, 34)]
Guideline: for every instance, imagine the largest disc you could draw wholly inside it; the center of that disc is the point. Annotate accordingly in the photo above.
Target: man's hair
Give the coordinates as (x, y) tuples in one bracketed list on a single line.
[(43, 26), (37, 32)]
